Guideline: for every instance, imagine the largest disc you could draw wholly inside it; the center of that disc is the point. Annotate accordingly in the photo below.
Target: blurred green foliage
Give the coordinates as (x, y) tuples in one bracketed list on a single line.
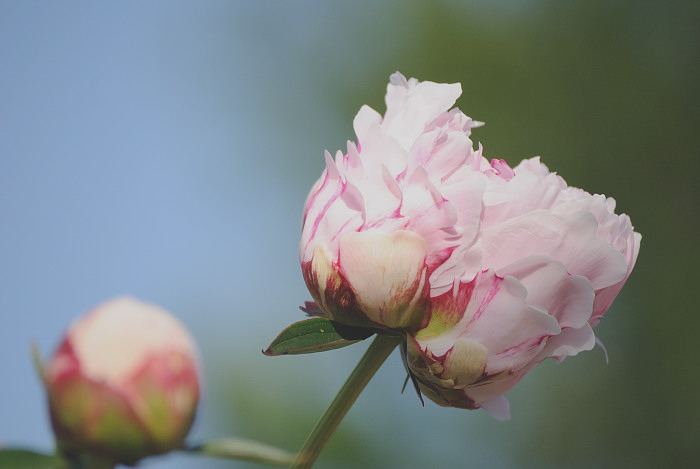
[(608, 94)]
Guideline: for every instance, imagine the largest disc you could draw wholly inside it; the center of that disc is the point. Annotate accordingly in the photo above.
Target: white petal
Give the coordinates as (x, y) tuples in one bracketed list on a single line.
[(364, 119), (384, 270), (465, 362), (380, 148)]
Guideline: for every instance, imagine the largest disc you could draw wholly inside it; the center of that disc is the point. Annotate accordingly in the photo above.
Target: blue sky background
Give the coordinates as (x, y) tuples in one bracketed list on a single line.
[(136, 158), (165, 149)]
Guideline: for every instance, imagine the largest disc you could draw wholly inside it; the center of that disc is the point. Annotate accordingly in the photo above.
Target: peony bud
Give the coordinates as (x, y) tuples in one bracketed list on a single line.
[(123, 384), (489, 269)]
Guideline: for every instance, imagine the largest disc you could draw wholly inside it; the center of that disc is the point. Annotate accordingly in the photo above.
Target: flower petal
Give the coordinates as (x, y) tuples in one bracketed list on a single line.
[(387, 274), (498, 407), (569, 343), (411, 105), (568, 238), (569, 298), (513, 331), (364, 119)]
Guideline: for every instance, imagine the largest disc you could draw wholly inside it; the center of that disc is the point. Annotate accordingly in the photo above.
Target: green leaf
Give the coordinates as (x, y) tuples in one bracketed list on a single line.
[(308, 336), (238, 448), (26, 459)]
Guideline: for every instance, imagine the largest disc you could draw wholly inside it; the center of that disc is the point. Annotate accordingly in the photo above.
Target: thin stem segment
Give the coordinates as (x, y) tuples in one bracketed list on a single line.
[(376, 354), (93, 461)]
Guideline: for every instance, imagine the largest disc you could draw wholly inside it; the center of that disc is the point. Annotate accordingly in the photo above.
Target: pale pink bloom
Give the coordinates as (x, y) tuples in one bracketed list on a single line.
[(547, 262), (490, 269), (123, 383), (383, 223)]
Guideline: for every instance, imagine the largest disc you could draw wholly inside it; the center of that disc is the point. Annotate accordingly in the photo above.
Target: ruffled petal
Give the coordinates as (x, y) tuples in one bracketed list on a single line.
[(512, 331), (568, 238), (441, 150), (411, 105), (569, 343), (499, 318), (569, 298), (430, 215), (525, 192)]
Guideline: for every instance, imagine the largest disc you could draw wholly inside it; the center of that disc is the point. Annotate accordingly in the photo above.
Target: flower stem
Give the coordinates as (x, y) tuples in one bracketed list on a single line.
[(93, 461), (376, 354)]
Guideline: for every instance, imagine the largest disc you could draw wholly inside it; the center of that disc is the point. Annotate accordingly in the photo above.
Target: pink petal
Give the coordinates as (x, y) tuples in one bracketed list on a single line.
[(524, 193), (431, 216), (498, 317), (412, 105), (511, 330), (605, 297), (440, 152), (569, 298), (330, 211), (380, 148), (570, 239), (568, 343), (498, 407), (465, 192)]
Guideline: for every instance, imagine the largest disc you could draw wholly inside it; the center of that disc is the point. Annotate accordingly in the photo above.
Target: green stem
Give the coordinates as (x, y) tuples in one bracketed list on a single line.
[(93, 461), (376, 354)]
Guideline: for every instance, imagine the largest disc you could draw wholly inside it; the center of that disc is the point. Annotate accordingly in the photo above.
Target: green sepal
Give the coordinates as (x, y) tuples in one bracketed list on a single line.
[(310, 336), (242, 449), (38, 363), (25, 459)]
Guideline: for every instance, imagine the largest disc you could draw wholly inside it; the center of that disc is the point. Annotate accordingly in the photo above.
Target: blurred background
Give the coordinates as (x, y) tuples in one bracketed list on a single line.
[(165, 149)]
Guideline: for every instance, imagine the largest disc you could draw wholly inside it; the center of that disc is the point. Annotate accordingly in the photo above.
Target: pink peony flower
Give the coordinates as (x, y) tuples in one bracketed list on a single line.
[(123, 383), (490, 269)]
